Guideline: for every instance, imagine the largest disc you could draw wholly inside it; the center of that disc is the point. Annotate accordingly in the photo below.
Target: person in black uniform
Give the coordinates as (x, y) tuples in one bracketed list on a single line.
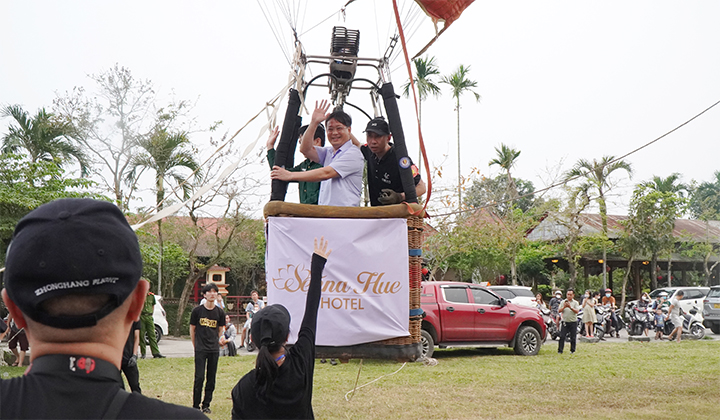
[(384, 183), (129, 360), (281, 384), (72, 281), (207, 324)]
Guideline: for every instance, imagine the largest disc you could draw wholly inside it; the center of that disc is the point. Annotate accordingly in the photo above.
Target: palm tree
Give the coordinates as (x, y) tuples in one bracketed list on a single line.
[(670, 184), (459, 83), (597, 177), (506, 157), (43, 137), (164, 153), (424, 69)]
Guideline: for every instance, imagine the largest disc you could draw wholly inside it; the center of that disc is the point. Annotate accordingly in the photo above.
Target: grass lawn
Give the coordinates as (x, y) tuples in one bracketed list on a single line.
[(657, 380)]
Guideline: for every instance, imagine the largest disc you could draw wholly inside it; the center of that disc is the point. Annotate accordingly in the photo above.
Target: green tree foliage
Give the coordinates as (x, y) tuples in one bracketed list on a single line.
[(569, 217), (165, 154), (174, 267), (495, 192), (246, 259), (596, 176), (531, 266), (506, 157), (25, 185), (111, 121), (43, 137), (705, 200), (425, 69), (459, 85), (651, 222), (670, 184)]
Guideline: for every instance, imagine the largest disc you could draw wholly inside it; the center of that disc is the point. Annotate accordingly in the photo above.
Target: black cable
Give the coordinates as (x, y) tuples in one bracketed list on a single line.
[(564, 182)]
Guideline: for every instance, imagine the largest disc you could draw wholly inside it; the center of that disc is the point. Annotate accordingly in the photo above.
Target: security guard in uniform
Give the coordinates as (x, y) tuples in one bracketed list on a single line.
[(147, 328), (72, 281)]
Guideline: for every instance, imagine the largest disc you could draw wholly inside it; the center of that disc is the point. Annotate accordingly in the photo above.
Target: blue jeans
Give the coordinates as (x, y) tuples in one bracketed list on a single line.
[(201, 359), (568, 328)]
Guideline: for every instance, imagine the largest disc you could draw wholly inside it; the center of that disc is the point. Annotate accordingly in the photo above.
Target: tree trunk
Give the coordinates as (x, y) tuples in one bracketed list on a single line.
[(187, 288), (669, 272), (419, 162), (159, 198), (160, 260), (458, 148), (624, 284), (513, 271), (573, 274), (653, 271), (708, 269), (604, 269)]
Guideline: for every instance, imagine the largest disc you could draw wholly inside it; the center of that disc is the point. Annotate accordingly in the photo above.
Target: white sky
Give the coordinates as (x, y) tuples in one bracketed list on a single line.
[(560, 80)]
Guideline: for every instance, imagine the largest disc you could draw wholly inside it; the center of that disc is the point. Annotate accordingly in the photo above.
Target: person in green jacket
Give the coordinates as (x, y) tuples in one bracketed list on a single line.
[(147, 328), (309, 191)]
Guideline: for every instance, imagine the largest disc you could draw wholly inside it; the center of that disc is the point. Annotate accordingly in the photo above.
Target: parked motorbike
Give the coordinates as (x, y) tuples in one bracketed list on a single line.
[(553, 331), (640, 319), (692, 324), (610, 327), (598, 327), (620, 324)]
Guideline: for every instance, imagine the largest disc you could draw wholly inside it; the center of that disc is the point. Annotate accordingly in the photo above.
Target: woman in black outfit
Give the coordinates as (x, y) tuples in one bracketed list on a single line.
[(281, 384)]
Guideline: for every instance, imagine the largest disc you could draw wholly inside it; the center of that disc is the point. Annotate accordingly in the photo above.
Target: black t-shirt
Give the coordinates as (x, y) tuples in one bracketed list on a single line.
[(384, 173), (64, 387), (206, 324), (291, 394), (128, 350)]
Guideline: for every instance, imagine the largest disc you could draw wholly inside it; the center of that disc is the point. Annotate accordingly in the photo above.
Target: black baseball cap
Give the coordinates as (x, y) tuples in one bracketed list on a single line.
[(378, 126), (270, 326), (72, 246)]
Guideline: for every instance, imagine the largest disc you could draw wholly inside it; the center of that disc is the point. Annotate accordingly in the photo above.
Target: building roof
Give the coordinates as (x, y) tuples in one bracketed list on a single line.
[(551, 229)]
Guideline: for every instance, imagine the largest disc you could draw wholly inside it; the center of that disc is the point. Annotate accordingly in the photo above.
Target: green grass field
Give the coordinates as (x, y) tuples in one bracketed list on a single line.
[(657, 380)]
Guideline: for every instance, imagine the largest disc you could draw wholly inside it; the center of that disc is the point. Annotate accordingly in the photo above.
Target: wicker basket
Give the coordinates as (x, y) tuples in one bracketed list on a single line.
[(399, 348)]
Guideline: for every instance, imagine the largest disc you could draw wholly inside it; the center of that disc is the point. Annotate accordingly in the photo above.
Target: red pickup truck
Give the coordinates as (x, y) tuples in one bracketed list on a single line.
[(464, 314)]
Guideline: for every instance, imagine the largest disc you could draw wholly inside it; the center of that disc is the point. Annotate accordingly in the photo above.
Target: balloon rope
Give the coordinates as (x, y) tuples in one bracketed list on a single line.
[(417, 114)]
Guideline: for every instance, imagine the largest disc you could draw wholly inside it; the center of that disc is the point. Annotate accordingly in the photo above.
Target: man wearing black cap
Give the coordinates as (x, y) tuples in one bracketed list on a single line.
[(72, 281), (384, 183), (309, 191)]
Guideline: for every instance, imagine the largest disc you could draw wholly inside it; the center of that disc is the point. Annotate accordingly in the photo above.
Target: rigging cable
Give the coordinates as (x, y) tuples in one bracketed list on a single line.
[(565, 181), (417, 116)]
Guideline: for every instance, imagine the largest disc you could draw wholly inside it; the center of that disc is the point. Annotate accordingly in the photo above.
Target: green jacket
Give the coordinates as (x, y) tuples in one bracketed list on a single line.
[(309, 191), (149, 305)]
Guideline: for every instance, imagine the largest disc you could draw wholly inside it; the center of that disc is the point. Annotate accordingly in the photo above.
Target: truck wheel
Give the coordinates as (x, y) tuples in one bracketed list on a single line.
[(427, 344), (527, 341), (715, 327)]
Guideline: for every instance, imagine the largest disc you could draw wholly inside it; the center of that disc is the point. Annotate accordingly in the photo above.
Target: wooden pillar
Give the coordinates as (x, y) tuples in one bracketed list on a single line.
[(610, 278)]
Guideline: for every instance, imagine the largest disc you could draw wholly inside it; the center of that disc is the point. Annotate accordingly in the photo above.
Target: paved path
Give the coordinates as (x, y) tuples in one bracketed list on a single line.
[(182, 347)]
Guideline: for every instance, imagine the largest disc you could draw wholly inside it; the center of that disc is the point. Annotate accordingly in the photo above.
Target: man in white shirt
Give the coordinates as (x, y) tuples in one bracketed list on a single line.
[(341, 174)]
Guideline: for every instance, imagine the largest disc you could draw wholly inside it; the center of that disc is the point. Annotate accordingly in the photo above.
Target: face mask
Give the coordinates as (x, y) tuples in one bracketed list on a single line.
[(607, 294), (645, 299), (587, 296)]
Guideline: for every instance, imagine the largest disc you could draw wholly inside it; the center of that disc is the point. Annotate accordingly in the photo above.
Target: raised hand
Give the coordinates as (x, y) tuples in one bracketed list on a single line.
[(321, 112), (272, 138), (321, 249)]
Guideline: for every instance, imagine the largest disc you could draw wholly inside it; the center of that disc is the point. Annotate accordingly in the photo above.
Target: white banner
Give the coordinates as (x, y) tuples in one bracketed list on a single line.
[(365, 286)]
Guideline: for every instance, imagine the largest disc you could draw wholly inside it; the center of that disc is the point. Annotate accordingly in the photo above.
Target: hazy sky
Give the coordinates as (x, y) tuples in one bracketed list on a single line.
[(559, 80)]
